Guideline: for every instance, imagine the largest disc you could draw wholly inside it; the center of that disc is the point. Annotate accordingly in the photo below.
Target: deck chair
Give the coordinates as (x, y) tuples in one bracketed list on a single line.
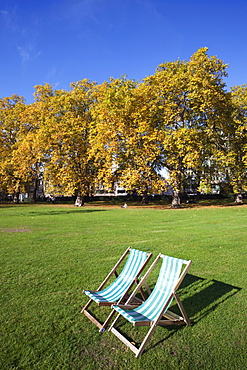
[(154, 310), (117, 291)]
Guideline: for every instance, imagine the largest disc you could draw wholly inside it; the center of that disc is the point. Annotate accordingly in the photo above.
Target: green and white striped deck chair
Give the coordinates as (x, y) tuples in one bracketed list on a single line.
[(154, 311), (117, 291)]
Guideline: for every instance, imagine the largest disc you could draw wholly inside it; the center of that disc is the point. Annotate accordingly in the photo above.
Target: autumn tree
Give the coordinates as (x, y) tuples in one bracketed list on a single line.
[(181, 119), (233, 156), (123, 141), (191, 104), (10, 111), (64, 126), (28, 154)]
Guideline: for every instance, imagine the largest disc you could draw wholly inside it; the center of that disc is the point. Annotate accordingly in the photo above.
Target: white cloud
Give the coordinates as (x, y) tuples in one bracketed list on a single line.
[(82, 10), (25, 56), (9, 19), (28, 53)]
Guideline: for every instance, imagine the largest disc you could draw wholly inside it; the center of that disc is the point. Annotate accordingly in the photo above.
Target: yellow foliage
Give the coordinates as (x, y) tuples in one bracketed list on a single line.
[(180, 118)]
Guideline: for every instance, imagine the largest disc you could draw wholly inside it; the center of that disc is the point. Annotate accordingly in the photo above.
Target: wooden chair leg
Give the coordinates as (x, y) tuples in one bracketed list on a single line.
[(115, 321), (145, 341), (125, 341), (181, 307), (137, 351), (93, 319), (87, 305), (106, 323)]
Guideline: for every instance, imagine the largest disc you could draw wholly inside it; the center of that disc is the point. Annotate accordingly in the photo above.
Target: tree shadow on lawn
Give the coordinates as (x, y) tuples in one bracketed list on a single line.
[(61, 212), (51, 211)]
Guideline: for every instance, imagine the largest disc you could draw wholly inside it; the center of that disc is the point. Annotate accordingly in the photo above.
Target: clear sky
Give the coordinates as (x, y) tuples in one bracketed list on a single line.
[(62, 41)]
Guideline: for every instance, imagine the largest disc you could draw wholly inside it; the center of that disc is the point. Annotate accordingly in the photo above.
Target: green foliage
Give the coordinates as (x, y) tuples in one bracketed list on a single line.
[(49, 254)]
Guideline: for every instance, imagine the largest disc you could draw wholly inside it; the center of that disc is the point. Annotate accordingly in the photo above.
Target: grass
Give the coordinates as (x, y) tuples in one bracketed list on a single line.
[(49, 253)]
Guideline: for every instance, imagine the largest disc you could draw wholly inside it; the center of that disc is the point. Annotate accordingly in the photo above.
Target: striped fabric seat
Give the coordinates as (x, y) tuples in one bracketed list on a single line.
[(117, 291), (118, 288), (150, 309), (154, 311)]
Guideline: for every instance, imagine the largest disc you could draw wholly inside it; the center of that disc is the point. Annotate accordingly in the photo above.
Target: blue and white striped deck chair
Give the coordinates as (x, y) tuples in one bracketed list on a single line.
[(117, 291), (154, 310)]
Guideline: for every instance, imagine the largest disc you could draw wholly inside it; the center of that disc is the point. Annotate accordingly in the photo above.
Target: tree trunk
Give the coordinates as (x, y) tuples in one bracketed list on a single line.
[(145, 198), (36, 181), (175, 199), (239, 198), (16, 197), (79, 201)]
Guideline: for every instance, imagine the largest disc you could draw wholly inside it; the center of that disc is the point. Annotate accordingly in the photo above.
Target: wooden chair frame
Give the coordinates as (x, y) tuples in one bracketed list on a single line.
[(124, 296), (165, 317)]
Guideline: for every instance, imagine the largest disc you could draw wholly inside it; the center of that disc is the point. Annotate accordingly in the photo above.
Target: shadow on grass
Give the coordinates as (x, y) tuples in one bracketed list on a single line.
[(62, 212), (204, 295), (199, 297), (50, 211)]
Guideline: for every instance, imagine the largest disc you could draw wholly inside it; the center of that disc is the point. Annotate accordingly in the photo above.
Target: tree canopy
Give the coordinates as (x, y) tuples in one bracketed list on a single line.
[(181, 118)]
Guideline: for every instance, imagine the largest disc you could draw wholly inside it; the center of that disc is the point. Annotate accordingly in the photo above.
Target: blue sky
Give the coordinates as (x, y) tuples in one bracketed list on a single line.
[(62, 41)]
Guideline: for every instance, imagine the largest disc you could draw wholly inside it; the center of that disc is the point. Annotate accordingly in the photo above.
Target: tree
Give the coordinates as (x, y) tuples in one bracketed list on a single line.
[(64, 131), (181, 118), (10, 111), (124, 143), (191, 103), (29, 153), (234, 154)]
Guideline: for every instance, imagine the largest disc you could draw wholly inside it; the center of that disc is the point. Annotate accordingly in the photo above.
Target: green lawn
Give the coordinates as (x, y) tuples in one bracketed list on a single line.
[(50, 253)]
